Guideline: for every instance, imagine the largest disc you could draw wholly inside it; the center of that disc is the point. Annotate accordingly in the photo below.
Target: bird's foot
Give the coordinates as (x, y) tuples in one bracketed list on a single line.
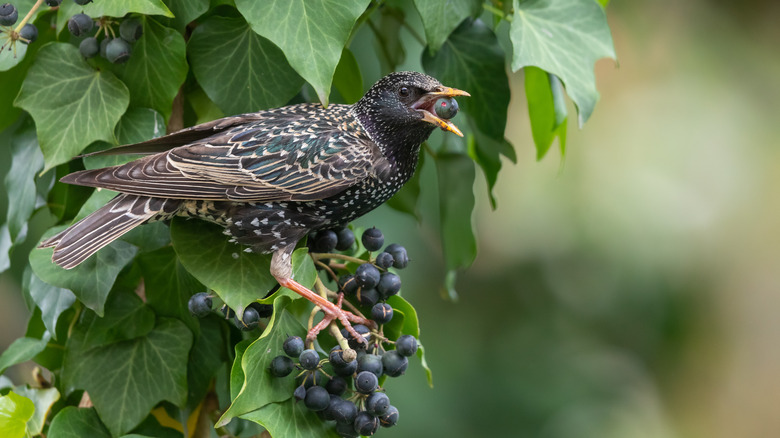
[(332, 311)]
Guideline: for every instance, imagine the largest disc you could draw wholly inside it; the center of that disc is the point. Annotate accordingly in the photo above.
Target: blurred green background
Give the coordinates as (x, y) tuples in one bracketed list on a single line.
[(630, 290)]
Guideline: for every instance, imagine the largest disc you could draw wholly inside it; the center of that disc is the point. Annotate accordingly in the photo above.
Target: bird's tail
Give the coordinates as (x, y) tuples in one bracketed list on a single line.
[(123, 213)]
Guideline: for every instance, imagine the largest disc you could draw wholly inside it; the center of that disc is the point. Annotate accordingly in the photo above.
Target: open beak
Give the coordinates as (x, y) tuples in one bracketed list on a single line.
[(425, 106)]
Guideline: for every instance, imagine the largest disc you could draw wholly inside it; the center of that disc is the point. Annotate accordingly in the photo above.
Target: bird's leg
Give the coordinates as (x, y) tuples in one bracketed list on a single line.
[(281, 269)]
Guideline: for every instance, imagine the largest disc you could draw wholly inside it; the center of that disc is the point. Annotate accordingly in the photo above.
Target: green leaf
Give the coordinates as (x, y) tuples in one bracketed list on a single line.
[(472, 60), (389, 46), (168, 285), (441, 17), (347, 79), (127, 379), (207, 355), (238, 277), (16, 55), (126, 317), (112, 8), (72, 104), (456, 203), (5, 247), (543, 109), (26, 161), (43, 399), (135, 126), (565, 38), (22, 350), (73, 422), (260, 387), (409, 324), (157, 68), (52, 300), (185, 11), (15, 411), (90, 281), (238, 69), (311, 34), (291, 420)]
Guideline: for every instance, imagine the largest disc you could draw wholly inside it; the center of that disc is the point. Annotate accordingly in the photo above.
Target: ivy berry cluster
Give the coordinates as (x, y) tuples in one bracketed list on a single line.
[(201, 305), (116, 49)]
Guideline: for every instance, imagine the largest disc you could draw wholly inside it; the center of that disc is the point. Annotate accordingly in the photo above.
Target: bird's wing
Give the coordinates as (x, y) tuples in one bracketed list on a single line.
[(296, 153)]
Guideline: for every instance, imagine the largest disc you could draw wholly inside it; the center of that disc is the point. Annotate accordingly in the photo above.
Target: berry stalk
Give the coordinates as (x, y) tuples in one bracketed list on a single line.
[(28, 16)]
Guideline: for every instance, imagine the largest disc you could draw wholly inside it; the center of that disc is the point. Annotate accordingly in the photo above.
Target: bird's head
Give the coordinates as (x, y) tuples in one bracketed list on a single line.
[(407, 105)]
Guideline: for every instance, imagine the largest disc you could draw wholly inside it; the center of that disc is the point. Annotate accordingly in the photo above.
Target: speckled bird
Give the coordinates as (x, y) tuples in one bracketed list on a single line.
[(269, 177)]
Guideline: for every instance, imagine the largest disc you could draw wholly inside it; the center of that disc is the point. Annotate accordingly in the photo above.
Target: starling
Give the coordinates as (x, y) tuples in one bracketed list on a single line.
[(270, 177)]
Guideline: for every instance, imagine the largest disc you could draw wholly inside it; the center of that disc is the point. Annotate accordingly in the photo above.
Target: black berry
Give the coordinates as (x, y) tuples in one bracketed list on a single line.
[(389, 284), (347, 369), (118, 51), (300, 393), (311, 378), (53, 3), (264, 310), (227, 312), (325, 241), (250, 320), (371, 363), (82, 2), (200, 304), (353, 342), (131, 30), (446, 107), (89, 47), (366, 424), (293, 346), (390, 418), (382, 313), (29, 32), (281, 366), (384, 260), (366, 382), (400, 258), (346, 238), (394, 363), (406, 345), (343, 411), (8, 14), (367, 276), (103, 45), (309, 359), (347, 284), (317, 398), (337, 385), (347, 430), (369, 297), (377, 403), (80, 24), (373, 239)]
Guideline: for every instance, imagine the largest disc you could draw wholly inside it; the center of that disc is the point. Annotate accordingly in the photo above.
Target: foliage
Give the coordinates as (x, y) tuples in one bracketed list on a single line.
[(121, 318)]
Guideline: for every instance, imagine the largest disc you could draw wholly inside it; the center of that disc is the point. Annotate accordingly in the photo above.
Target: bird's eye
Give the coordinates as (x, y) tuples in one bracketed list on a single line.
[(403, 92)]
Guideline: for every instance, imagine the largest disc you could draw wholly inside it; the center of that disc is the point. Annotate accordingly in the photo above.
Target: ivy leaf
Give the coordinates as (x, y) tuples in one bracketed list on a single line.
[(118, 378), (22, 350), (208, 353), (548, 120), (52, 300), (472, 60), (347, 79), (90, 281), (43, 399), (157, 68), (456, 203), (26, 161), (72, 104), (135, 126), (238, 69), (73, 422), (259, 386), (168, 285), (441, 17), (15, 411), (565, 38), (291, 419), (238, 277), (387, 40), (406, 322), (117, 9), (185, 11), (126, 317), (311, 34)]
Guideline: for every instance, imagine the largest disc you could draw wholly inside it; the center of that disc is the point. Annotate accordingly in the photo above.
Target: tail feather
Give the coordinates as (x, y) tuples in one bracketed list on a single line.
[(123, 213)]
